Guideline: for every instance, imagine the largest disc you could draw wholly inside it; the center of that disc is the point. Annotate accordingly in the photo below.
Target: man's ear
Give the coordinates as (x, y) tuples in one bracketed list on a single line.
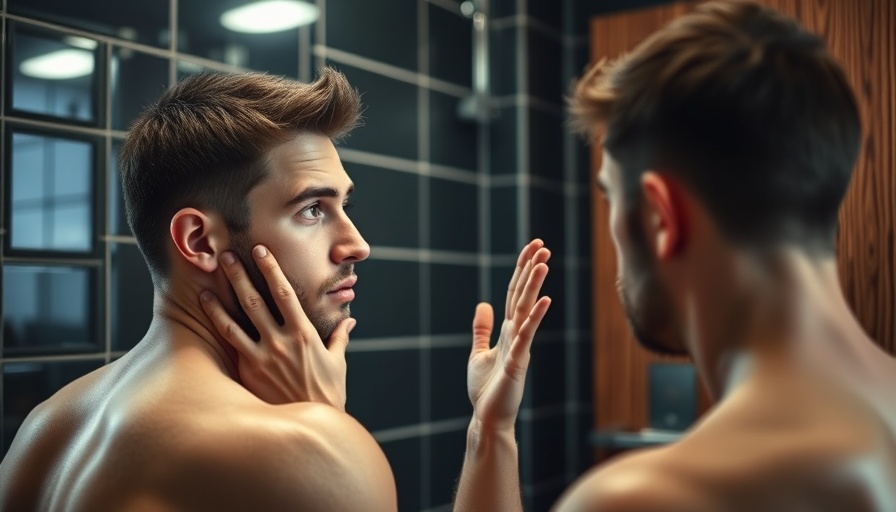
[(199, 237), (666, 215)]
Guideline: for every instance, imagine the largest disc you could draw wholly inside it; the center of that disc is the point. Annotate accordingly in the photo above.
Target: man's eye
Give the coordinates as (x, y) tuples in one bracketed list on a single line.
[(312, 212)]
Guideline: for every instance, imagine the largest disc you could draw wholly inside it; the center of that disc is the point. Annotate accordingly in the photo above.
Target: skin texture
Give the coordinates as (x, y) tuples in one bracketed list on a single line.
[(496, 377), (198, 416), (806, 418), (169, 426), (495, 380)]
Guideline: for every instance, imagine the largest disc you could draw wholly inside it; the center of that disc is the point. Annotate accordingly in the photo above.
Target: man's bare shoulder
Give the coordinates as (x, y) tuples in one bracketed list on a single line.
[(645, 480), (752, 455), (300, 456), (734, 472)]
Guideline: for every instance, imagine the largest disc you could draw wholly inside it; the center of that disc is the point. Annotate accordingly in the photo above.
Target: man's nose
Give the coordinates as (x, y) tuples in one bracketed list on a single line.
[(352, 247)]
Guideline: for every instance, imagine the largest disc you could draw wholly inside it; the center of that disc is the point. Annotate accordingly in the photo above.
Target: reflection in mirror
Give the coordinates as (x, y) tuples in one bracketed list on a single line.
[(53, 75), (48, 309), (141, 21), (51, 205)]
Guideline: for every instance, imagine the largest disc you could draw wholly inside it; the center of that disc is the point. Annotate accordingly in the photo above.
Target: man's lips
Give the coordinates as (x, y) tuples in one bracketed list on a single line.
[(343, 291)]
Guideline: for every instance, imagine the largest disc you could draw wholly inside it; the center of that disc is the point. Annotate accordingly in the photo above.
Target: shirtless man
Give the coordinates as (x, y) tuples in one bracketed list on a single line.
[(729, 140), (221, 165)]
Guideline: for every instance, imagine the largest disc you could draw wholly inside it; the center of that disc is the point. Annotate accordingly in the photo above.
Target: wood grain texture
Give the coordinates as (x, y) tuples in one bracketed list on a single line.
[(862, 36)]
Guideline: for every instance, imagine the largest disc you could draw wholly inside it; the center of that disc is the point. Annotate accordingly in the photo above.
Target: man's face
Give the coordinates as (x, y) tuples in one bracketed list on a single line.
[(299, 214), (644, 297)]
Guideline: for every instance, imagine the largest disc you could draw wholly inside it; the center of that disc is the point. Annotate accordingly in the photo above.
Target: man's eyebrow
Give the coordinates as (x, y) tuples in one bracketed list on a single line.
[(316, 192)]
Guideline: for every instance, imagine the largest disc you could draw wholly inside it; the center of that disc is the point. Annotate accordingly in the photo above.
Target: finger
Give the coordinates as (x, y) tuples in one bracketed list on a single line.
[(284, 295), (522, 343), (540, 256), (521, 262), (226, 327), (250, 299), (338, 341), (531, 289), (483, 321)]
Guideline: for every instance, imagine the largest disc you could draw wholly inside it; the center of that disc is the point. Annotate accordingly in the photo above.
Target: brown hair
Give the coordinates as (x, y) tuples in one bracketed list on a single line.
[(204, 144), (743, 105)]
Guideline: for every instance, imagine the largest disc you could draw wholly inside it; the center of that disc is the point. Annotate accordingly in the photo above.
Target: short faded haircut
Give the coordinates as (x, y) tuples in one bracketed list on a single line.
[(746, 108), (204, 145)]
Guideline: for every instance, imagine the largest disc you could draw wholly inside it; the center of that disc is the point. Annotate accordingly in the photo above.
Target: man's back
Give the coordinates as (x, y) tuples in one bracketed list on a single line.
[(168, 430), (791, 437)]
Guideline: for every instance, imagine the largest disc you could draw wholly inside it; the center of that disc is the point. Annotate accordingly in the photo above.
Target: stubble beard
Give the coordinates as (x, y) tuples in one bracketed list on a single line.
[(646, 301), (324, 324)]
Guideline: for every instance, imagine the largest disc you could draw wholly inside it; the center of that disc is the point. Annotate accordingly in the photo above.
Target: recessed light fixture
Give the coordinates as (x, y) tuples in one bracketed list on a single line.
[(269, 16), (80, 42), (59, 65)]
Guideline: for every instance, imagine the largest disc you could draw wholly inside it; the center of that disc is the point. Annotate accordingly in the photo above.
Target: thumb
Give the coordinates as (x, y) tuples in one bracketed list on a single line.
[(339, 339), (483, 321)]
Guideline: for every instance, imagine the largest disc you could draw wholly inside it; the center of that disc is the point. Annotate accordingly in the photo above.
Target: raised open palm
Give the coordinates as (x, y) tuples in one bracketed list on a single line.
[(496, 375)]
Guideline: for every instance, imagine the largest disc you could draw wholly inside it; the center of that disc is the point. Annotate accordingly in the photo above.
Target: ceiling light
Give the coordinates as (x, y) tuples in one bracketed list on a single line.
[(80, 42), (59, 65), (269, 16)]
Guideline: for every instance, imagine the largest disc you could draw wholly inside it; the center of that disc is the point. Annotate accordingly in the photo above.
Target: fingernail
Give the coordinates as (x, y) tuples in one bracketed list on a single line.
[(205, 296), (260, 251), (352, 325), (228, 258)]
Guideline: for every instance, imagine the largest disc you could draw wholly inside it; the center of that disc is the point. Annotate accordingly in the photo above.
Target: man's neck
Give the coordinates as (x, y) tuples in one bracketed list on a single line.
[(179, 313), (784, 308)]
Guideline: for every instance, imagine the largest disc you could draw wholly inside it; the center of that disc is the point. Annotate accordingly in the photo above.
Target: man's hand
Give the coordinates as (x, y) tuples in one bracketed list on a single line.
[(496, 376), (290, 363)]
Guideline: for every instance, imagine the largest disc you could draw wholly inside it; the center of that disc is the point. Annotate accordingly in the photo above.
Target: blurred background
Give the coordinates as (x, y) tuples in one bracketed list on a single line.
[(455, 171)]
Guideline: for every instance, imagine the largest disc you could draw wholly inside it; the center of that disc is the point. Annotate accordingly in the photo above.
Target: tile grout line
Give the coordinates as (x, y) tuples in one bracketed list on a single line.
[(524, 20), (391, 71), (550, 484), (3, 150), (430, 428), (528, 100), (522, 140), (172, 42), (321, 35), (62, 127), (572, 284), (305, 72), (88, 356), (395, 163), (106, 179), (425, 285), (448, 5)]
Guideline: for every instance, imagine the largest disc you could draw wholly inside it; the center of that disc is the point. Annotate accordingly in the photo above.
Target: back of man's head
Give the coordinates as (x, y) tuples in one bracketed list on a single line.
[(746, 108), (203, 145)]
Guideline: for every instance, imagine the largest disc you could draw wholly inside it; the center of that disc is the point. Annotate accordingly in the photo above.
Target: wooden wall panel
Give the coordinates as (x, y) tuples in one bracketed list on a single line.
[(862, 35)]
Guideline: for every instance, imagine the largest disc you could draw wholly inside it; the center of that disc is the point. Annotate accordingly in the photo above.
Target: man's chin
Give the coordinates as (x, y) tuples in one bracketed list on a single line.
[(655, 344), (325, 325)]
